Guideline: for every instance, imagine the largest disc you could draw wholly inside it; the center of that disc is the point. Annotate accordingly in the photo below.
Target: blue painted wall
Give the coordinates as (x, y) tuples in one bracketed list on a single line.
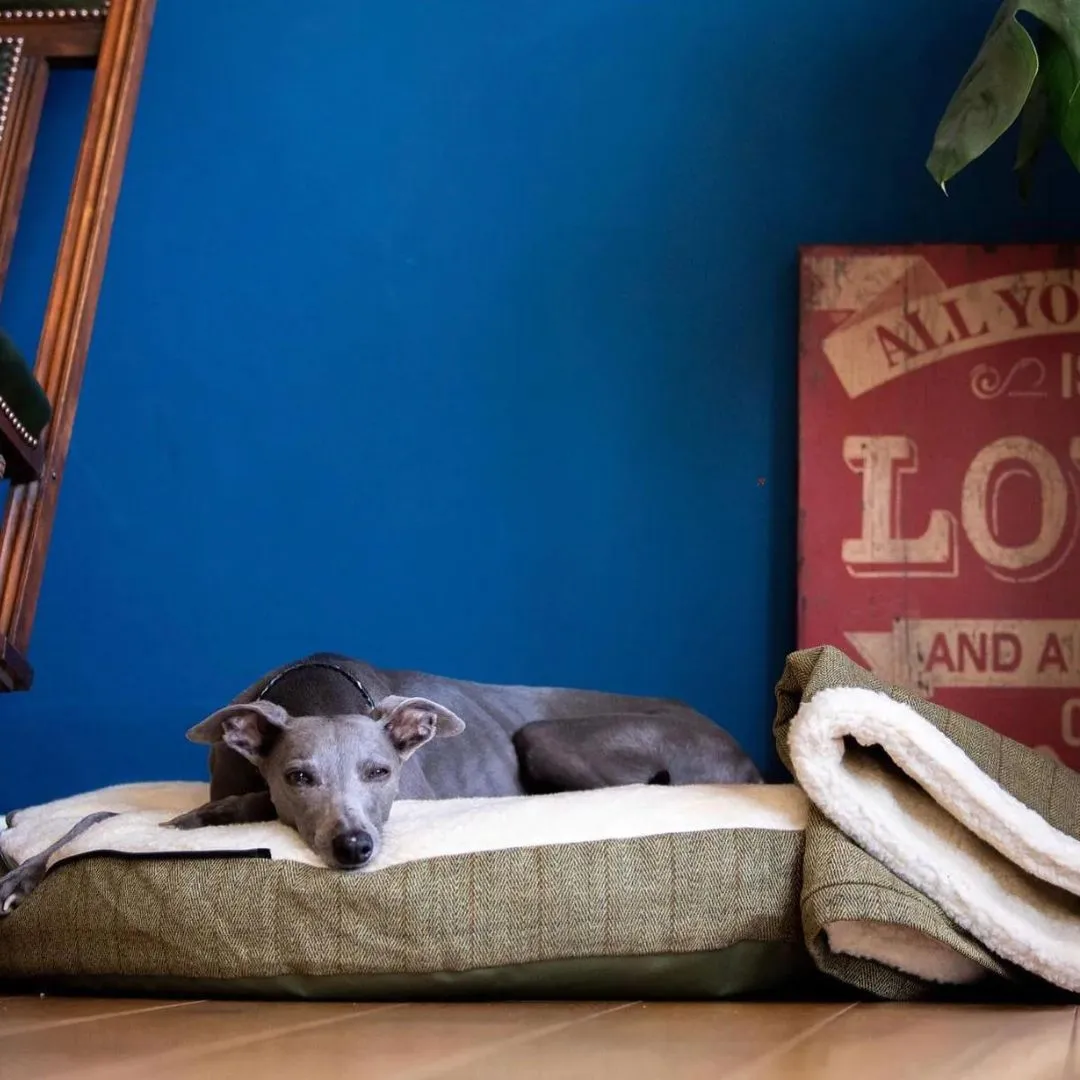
[(462, 336)]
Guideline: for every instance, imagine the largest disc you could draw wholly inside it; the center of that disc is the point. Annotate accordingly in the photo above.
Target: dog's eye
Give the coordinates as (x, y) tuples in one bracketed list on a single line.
[(299, 778), (376, 772)]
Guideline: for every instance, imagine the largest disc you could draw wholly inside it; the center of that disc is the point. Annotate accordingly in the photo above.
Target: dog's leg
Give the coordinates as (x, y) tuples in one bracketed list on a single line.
[(581, 753), (17, 885), (232, 810)]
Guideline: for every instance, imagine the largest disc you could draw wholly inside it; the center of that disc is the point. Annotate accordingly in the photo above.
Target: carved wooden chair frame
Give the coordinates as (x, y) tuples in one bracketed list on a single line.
[(111, 36)]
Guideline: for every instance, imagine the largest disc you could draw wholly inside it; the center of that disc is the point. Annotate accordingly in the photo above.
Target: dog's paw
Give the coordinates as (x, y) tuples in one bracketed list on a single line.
[(17, 885), (193, 819)]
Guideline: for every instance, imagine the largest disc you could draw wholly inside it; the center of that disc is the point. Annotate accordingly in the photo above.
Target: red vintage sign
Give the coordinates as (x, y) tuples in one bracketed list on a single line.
[(939, 477)]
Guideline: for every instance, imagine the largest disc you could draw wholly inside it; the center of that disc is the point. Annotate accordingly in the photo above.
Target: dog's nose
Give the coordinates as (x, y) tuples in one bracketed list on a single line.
[(352, 849)]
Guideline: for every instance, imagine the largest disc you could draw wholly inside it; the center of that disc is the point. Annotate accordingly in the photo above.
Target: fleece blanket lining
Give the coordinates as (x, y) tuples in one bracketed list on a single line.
[(999, 869)]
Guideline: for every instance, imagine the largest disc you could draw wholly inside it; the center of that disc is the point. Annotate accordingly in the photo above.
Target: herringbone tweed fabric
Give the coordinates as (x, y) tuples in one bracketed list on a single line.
[(234, 918)]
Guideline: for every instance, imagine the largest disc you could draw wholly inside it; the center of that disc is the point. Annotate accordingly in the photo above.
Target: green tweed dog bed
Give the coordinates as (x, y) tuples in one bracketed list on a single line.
[(646, 892)]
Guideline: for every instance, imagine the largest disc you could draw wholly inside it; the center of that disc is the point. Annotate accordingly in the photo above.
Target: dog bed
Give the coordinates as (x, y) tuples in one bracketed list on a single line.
[(647, 891)]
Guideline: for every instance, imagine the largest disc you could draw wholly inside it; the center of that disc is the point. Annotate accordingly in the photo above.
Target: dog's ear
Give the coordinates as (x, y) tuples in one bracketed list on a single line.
[(412, 721), (250, 729)]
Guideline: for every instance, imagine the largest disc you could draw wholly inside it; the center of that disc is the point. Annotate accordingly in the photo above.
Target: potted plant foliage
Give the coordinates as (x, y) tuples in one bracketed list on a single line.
[(1028, 69)]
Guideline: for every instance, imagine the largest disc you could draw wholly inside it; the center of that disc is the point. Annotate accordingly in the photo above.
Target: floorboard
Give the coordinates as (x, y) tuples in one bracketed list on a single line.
[(87, 1039)]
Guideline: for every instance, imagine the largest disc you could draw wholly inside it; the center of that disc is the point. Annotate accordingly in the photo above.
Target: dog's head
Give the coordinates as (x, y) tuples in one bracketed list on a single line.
[(332, 778)]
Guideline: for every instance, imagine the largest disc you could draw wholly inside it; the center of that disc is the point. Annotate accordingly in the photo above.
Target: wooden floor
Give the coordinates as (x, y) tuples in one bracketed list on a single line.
[(112, 1040)]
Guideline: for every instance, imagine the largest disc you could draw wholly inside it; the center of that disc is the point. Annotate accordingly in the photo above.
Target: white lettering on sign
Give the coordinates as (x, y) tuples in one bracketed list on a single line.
[(928, 654), (979, 501), (882, 551), (902, 317), (1070, 722)]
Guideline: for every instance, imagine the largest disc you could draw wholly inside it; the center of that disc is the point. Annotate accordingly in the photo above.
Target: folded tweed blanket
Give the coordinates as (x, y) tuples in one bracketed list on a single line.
[(943, 827)]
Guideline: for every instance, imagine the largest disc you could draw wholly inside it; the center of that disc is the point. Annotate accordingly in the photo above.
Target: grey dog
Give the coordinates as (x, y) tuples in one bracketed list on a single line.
[(327, 744)]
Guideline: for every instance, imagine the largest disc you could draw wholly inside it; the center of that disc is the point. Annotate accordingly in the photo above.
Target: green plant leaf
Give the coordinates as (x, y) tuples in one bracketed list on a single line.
[(999, 82), (1036, 126), (1059, 76)]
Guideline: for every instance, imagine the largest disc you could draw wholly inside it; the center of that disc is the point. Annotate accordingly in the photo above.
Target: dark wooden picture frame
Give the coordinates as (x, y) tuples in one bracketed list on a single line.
[(112, 37)]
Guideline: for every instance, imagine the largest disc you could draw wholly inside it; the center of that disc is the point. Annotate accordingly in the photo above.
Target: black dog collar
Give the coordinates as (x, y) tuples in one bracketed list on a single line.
[(322, 664)]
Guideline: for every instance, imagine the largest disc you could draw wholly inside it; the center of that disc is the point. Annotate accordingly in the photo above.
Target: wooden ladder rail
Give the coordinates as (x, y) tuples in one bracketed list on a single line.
[(112, 37)]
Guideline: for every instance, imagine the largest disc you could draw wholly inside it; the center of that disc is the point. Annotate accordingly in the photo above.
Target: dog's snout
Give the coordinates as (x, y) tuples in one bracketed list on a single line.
[(352, 848)]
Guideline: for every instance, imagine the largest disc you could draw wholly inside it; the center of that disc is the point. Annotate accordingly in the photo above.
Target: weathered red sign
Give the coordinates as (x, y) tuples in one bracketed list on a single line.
[(939, 477)]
